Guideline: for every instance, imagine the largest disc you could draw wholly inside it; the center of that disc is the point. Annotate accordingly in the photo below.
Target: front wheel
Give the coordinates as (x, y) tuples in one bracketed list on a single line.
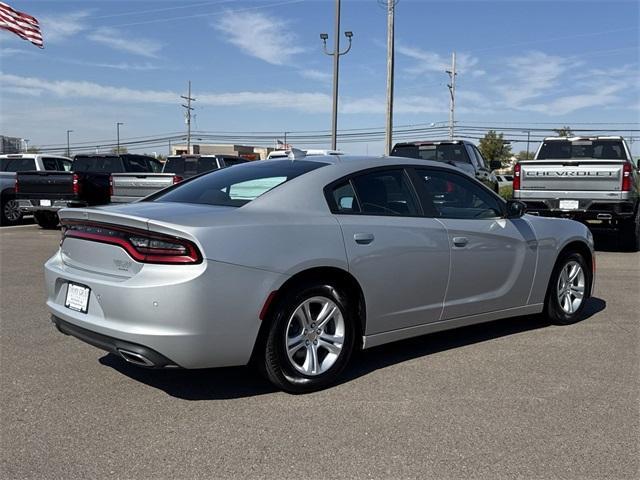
[(568, 289), (310, 339)]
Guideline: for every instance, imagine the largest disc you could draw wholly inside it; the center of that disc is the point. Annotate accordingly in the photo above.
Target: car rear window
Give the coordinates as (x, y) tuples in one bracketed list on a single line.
[(599, 149), (100, 164), (448, 152), (17, 164), (190, 165), (236, 186)]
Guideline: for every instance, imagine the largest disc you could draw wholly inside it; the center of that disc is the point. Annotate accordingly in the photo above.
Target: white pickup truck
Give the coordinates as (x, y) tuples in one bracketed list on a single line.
[(589, 179)]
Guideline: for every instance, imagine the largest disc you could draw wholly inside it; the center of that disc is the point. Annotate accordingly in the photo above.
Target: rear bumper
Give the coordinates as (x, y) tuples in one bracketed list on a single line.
[(592, 208), (131, 352), (55, 205), (193, 316)]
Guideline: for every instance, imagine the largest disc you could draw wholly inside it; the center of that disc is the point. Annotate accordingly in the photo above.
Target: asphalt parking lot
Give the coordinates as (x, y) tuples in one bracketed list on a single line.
[(512, 399)]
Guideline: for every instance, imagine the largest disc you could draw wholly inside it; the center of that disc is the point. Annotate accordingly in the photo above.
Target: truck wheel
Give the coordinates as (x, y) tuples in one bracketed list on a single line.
[(568, 290), (631, 233), (46, 220), (11, 213)]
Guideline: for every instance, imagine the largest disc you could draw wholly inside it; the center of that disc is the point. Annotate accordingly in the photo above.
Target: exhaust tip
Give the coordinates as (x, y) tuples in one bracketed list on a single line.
[(135, 358)]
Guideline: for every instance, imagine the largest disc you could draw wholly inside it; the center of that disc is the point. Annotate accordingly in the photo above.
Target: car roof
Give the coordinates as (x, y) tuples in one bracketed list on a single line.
[(577, 139), (433, 142), (31, 155)]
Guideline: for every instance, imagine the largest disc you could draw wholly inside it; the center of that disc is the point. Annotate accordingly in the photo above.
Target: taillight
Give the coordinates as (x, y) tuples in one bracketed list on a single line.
[(76, 184), (177, 179), (516, 176), (16, 186), (142, 245), (626, 177), (111, 185)]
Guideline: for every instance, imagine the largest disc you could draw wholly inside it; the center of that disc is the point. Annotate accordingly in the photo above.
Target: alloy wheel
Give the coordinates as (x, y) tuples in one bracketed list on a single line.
[(571, 287), (11, 211), (315, 336)]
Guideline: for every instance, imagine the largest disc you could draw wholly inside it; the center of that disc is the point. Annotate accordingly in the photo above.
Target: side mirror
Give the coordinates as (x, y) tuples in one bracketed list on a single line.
[(515, 209), (495, 165)]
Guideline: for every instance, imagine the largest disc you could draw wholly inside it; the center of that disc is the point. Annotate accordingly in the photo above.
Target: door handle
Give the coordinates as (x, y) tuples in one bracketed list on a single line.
[(363, 238), (460, 241)]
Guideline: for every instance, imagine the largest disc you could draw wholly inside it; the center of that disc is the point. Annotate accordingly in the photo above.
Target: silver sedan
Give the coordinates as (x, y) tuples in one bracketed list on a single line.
[(294, 264)]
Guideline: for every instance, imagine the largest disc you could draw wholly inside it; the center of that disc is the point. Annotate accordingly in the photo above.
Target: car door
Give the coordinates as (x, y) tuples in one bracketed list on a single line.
[(493, 259), (399, 257)]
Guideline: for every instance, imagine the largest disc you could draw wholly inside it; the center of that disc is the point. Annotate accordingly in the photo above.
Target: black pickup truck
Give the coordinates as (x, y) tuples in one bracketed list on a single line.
[(88, 183)]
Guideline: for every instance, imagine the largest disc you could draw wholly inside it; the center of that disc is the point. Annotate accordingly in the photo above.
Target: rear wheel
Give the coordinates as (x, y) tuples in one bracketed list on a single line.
[(310, 339), (568, 289), (11, 213), (46, 219), (630, 233)]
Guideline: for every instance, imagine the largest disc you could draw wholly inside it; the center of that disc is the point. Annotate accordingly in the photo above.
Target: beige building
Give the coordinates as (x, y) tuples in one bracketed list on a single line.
[(244, 151)]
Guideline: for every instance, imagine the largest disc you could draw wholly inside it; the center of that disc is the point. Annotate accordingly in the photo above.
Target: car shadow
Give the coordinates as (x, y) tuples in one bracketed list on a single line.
[(242, 382), (608, 242)]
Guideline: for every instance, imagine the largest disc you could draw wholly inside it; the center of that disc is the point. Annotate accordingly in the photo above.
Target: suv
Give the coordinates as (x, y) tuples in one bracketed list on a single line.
[(459, 153), (590, 179), (10, 213)]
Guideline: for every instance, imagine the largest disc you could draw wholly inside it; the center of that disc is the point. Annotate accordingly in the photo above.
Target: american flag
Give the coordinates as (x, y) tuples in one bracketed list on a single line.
[(23, 25)]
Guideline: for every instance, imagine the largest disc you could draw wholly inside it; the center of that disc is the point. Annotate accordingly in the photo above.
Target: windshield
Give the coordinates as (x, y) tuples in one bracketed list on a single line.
[(17, 164), (236, 186), (98, 164), (447, 152), (600, 149)]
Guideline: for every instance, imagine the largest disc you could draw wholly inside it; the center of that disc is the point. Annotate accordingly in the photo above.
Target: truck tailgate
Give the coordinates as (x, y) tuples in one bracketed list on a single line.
[(47, 184), (565, 175), (128, 187)]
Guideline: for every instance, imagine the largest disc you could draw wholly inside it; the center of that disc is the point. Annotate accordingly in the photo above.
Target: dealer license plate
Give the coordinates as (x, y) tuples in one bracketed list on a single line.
[(569, 204), (45, 203), (77, 297)]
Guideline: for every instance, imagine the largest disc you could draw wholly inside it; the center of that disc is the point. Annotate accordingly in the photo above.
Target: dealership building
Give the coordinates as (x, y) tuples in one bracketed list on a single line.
[(244, 151)]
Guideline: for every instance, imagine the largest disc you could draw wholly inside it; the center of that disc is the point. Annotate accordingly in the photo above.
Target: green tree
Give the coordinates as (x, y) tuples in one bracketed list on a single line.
[(33, 149), (494, 147), (122, 150), (524, 155), (564, 131)]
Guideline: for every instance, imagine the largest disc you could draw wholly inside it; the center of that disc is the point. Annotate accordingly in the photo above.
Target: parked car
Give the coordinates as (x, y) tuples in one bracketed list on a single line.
[(295, 264), (87, 183), (187, 166), (307, 153), (590, 179), (10, 213), (461, 154), (504, 180)]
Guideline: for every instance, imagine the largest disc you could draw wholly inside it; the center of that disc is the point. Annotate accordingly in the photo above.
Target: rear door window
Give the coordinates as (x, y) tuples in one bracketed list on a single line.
[(98, 164), (599, 149), (174, 165), (205, 164)]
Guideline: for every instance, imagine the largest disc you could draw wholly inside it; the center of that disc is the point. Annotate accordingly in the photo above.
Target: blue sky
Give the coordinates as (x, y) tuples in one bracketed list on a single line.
[(258, 66)]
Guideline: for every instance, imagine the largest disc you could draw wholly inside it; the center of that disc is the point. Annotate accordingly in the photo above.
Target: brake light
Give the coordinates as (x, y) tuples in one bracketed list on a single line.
[(516, 176), (76, 184), (16, 186), (626, 177), (141, 245), (111, 185), (177, 179)]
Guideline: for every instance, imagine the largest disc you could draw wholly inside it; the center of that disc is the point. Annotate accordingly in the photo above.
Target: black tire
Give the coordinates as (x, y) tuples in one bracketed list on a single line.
[(46, 220), (278, 367), (9, 211), (630, 233), (553, 308)]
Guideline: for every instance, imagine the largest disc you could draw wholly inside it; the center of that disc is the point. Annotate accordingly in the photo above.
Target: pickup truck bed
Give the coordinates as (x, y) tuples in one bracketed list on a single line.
[(130, 187)]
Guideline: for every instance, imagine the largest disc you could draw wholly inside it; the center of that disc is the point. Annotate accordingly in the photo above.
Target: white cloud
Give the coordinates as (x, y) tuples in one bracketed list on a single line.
[(259, 35), (316, 75), (115, 39), (56, 28), (431, 62)]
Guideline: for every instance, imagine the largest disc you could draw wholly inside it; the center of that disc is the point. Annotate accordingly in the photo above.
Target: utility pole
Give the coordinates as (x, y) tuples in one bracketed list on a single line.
[(452, 91), (118, 135), (388, 138), (188, 111), (68, 146), (528, 139), (336, 54)]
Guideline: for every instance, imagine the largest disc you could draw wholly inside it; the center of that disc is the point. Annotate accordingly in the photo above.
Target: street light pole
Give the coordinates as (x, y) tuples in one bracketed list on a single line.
[(336, 54), (68, 145), (118, 134)]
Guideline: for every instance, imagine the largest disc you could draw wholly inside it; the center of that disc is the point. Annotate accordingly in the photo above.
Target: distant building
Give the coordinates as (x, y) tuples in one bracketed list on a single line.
[(10, 144), (244, 151)]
